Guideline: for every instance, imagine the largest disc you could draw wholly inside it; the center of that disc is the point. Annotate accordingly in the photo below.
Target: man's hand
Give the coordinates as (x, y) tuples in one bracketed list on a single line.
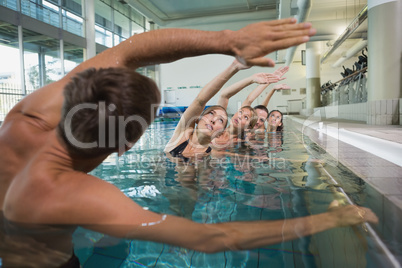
[(350, 214), (251, 43)]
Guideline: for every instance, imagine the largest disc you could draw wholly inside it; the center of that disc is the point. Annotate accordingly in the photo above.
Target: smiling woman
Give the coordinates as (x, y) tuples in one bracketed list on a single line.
[(196, 129), (246, 118), (198, 126), (275, 119)]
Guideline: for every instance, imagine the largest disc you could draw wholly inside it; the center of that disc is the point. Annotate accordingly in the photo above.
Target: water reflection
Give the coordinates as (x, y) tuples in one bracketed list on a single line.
[(269, 176)]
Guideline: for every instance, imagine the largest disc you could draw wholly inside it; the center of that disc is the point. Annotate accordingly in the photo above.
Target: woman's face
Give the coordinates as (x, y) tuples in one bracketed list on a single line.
[(262, 117), (213, 122), (241, 119), (275, 119)]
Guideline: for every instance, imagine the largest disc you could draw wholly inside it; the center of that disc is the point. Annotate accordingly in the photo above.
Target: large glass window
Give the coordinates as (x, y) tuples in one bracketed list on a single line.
[(46, 12), (10, 74), (136, 29), (148, 71), (72, 17), (121, 27), (137, 18), (103, 23), (73, 55), (103, 36), (147, 26), (121, 20), (115, 21), (11, 4), (73, 23), (41, 60)]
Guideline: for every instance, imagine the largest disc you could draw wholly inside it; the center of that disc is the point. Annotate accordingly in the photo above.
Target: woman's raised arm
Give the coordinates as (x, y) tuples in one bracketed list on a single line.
[(258, 90), (273, 90)]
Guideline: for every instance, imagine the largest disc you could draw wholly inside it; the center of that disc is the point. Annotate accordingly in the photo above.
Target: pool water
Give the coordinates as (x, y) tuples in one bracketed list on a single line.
[(292, 183)]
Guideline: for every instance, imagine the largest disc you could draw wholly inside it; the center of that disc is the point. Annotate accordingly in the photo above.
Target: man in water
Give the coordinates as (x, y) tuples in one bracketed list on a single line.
[(53, 137)]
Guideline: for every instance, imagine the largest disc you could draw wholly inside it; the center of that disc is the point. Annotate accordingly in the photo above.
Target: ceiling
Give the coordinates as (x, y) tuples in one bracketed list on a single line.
[(329, 17)]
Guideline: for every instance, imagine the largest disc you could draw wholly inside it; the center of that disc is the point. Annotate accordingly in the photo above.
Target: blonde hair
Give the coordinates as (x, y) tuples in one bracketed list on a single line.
[(211, 108), (254, 116)]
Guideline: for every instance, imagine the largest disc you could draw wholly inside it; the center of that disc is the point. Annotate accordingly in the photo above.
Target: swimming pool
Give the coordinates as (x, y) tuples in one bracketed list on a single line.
[(292, 183)]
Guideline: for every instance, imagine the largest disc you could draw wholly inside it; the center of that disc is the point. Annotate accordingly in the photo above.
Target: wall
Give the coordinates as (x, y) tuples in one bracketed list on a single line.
[(198, 71), (190, 72), (380, 112)]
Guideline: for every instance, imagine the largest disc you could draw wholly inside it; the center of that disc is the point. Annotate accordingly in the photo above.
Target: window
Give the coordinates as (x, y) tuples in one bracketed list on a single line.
[(41, 60)]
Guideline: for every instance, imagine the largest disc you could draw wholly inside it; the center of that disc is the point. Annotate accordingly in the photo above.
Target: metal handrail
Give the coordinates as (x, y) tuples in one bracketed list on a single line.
[(369, 229), (347, 77)]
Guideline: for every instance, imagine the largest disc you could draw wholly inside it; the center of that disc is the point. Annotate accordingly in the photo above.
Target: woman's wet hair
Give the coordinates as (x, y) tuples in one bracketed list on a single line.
[(104, 109), (278, 128), (214, 107)]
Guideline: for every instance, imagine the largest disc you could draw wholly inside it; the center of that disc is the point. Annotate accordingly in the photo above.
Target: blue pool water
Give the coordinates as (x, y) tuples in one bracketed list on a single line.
[(221, 189)]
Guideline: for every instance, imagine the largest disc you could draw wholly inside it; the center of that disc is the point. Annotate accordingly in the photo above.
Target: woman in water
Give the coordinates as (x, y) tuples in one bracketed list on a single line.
[(275, 117), (199, 126), (246, 117), (262, 110)]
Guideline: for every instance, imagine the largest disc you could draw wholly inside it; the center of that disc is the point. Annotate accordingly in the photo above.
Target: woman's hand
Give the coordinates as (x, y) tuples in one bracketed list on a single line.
[(264, 78), (281, 71), (280, 86), (240, 66)]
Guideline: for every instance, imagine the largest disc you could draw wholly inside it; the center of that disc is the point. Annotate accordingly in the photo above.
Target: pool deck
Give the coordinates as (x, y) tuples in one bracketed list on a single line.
[(374, 153)]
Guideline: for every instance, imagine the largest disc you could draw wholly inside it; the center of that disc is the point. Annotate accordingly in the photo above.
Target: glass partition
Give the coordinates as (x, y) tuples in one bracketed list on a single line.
[(103, 24), (11, 4), (136, 29), (46, 12), (73, 55), (10, 74), (73, 23), (121, 27), (41, 59)]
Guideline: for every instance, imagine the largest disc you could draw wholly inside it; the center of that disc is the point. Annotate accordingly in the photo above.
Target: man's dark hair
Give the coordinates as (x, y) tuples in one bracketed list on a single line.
[(98, 103), (261, 107)]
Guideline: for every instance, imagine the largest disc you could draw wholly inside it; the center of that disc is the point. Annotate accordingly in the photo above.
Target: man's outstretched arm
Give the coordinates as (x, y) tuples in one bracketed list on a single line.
[(249, 45)]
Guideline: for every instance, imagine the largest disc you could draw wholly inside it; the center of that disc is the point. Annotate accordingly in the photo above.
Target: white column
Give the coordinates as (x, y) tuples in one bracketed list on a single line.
[(22, 64), (313, 90), (88, 8), (384, 49)]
